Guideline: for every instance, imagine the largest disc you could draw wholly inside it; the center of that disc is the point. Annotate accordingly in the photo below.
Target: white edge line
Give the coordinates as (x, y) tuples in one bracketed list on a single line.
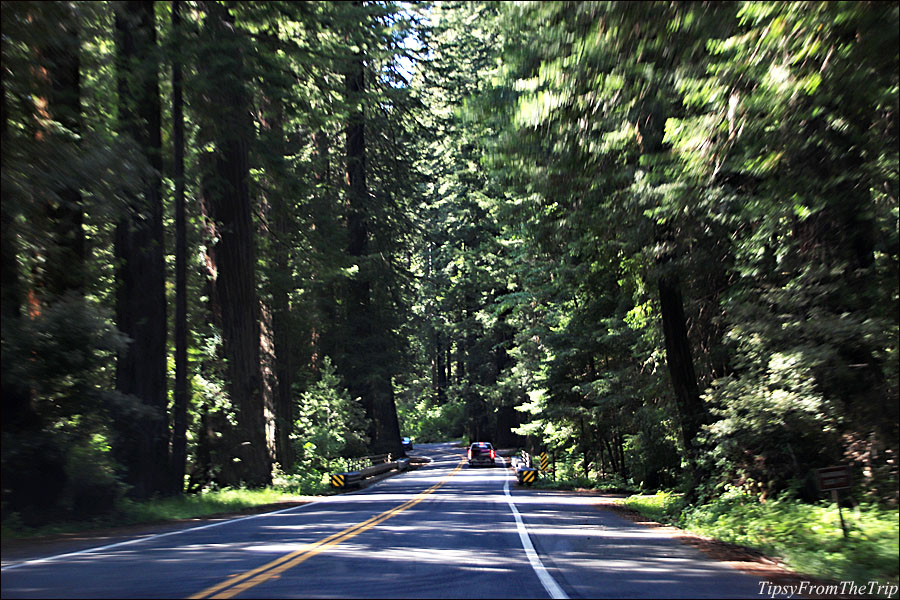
[(546, 579), (148, 538), (35, 561)]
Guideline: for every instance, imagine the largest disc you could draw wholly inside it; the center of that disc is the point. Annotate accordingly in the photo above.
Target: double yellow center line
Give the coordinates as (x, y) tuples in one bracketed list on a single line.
[(239, 583)]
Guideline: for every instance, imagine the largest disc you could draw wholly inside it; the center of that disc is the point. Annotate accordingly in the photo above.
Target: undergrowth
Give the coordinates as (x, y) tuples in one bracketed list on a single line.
[(208, 503), (807, 537)]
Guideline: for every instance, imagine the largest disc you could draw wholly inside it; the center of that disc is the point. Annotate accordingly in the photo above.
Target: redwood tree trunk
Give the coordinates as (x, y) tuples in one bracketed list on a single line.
[(280, 279), (226, 197), (181, 392), (142, 446), (368, 378)]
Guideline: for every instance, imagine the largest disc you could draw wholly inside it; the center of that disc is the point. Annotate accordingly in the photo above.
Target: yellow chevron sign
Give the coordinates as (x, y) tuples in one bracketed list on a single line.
[(545, 461), (337, 480), (529, 475)]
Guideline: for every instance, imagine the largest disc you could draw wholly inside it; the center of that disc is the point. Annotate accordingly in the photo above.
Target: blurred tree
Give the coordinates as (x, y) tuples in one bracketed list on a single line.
[(225, 197), (181, 391), (142, 446)]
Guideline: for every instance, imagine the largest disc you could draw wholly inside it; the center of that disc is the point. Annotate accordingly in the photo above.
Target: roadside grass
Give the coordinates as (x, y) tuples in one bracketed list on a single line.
[(616, 484), (807, 537), (130, 512), (663, 507)]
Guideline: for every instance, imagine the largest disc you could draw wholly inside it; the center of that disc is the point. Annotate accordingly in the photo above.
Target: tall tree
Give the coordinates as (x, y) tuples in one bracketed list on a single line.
[(180, 393), (368, 376), (142, 446), (278, 238), (61, 79), (225, 195)]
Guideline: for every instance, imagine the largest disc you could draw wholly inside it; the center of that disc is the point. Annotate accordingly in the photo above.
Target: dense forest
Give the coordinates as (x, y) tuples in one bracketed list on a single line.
[(656, 239)]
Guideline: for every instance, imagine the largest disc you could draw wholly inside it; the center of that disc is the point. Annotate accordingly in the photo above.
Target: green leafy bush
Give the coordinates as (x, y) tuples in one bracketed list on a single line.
[(435, 423), (807, 537)]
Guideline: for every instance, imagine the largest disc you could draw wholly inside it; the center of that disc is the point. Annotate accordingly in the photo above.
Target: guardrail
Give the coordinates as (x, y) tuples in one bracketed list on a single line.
[(382, 463), (378, 464)]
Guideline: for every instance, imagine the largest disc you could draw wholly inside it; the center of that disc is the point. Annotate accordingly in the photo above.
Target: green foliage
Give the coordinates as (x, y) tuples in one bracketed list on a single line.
[(93, 486), (664, 507), (329, 424), (200, 505), (191, 506), (58, 462), (63, 353), (717, 147), (808, 537), (610, 484), (426, 422), (531, 179)]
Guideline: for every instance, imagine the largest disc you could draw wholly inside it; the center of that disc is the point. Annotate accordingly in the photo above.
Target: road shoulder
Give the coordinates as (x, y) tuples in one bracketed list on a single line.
[(13, 550)]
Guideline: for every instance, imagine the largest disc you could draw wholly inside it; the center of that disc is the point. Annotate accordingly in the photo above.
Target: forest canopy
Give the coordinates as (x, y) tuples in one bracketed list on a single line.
[(657, 239)]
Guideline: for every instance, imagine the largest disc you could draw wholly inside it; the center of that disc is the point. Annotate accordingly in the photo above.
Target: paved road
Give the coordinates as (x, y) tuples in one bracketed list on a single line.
[(441, 531)]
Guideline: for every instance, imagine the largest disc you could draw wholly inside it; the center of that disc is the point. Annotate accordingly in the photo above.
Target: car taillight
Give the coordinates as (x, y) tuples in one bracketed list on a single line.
[(470, 453), (492, 453)]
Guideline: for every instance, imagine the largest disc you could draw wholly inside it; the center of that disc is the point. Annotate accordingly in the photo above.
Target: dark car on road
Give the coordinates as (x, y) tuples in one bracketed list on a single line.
[(407, 443), (481, 453)]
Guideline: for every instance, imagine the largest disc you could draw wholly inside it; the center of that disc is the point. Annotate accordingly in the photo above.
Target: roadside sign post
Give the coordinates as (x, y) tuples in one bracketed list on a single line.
[(834, 479)]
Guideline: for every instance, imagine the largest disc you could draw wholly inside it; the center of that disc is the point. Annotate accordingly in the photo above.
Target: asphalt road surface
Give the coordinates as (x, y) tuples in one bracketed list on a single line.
[(442, 531)]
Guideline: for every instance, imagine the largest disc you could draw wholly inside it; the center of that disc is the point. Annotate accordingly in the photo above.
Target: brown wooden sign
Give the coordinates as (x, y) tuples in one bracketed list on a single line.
[(833, 478)]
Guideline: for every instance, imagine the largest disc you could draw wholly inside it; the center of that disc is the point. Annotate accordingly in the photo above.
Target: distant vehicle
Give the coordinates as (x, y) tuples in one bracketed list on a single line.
[(406, 443), (481, 453)]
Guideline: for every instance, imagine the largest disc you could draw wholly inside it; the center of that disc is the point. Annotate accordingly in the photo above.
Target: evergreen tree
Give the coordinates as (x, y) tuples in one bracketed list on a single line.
[(142, 446), (226, 200)]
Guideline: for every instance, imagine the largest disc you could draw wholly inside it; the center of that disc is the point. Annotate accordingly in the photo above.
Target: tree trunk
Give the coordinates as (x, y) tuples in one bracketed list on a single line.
[(225, 193), (441, 382), (59, 80), (691, 411), (613, 462), (18, 414), (267, 370), (280, 226), (368, 377), (449, 361), (65, 260), (181, 392), (321, 337), (142, 446)]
